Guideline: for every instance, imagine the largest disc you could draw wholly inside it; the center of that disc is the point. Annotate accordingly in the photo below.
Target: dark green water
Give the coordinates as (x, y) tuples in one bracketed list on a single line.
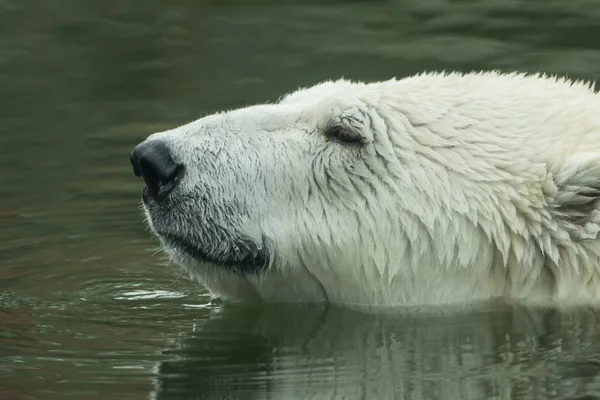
[(88, 310)]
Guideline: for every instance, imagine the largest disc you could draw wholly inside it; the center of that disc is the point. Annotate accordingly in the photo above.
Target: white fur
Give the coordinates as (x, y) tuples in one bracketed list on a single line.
[(468, 187)]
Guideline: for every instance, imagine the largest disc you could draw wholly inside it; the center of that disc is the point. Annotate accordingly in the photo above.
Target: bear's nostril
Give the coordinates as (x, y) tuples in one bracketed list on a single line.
[(150, 176), (152, 160)]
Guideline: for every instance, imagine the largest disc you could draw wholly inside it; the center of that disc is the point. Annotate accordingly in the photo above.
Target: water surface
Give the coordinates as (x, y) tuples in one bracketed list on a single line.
[(87, 307)]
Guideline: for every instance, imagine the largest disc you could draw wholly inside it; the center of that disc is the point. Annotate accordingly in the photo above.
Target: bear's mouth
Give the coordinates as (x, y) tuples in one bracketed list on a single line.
[(243, 257), (187, 240)]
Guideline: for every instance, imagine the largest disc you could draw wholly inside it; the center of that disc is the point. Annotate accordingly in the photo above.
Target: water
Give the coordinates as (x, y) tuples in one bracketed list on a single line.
[(88, 310)]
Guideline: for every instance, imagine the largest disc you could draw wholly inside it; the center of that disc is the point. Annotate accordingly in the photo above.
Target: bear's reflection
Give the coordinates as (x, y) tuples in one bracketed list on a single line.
[(293, 352)]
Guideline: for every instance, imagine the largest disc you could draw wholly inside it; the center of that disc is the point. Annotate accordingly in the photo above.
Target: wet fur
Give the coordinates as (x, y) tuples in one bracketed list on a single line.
[(463, 187)]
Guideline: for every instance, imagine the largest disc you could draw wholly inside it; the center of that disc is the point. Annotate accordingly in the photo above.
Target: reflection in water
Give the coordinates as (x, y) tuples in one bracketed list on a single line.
[(283, 352), (87, 310)]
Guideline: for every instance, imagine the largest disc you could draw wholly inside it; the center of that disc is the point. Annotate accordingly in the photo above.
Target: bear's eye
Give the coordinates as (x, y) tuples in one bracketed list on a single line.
[(343, 135)]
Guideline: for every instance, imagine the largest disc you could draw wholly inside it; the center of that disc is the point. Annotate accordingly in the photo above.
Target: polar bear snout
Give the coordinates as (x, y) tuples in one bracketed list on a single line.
[(152, 161)]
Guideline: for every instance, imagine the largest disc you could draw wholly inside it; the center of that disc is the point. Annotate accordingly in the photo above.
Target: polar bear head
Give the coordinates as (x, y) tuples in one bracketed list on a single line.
[(435, 188)]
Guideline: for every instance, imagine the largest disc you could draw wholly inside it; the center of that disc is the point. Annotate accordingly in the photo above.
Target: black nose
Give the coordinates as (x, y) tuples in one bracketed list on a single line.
[(152, 160)]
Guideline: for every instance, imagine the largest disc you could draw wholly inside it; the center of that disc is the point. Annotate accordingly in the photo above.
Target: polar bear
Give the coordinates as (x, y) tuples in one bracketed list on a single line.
[(436, 188)]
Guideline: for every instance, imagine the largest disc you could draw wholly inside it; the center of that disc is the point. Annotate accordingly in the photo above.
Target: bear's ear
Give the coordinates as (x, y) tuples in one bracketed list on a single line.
[(577, 198)]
